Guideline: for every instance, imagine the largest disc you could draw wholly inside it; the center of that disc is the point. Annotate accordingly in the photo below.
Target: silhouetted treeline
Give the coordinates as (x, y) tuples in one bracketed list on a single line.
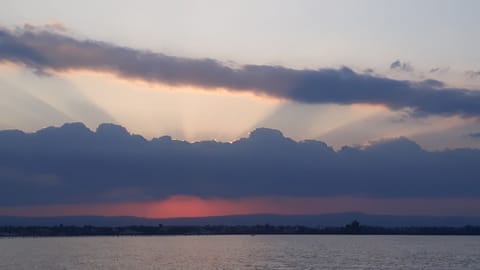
[(352, 228)]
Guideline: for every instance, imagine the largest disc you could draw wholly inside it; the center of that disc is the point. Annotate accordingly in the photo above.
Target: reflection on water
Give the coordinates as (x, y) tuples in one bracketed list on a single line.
[(242, 252)]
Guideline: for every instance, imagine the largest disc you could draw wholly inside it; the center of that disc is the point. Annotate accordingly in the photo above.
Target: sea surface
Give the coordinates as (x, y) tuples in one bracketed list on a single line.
[(242, 252)]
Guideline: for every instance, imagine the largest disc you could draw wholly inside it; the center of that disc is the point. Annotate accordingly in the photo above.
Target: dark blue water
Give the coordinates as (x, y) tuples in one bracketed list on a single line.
[(242, 252)]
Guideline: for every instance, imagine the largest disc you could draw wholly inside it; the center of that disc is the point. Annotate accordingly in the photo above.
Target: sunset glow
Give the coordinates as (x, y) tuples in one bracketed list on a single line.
[(190, 206), (306, 107)]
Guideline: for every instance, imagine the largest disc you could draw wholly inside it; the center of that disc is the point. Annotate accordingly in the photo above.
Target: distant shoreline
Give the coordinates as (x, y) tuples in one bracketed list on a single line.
[(350, 229)]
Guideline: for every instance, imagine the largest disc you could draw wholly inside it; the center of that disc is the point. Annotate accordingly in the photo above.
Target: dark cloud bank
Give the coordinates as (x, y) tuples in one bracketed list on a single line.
[(46, 51), (73, 164)]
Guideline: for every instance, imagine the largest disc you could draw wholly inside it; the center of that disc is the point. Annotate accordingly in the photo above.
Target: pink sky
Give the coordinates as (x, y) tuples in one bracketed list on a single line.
[(190, 206)]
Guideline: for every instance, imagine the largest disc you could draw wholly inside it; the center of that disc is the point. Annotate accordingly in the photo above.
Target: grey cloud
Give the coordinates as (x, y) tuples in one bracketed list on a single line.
[(472, 74), (439, 70), (45, 51), (475, 135), (403, 66), (369, 71), (73, 164)]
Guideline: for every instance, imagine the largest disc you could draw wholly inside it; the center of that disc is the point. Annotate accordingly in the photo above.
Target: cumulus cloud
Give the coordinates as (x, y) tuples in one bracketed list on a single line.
[(73, 164), (46, 51)]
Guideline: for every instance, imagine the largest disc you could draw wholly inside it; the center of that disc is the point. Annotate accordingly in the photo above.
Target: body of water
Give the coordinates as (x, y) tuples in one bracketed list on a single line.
[(242, 252)]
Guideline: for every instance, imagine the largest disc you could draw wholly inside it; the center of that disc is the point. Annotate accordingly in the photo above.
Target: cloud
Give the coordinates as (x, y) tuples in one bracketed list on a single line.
[(47, 52), (73, 164), (472, 74), (369, 71), (53, 26), (440, 70), (402, 66), (475, 135)]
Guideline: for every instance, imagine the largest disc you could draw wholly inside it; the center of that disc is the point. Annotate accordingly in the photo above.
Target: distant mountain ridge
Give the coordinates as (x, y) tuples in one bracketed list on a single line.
[(324, 220)]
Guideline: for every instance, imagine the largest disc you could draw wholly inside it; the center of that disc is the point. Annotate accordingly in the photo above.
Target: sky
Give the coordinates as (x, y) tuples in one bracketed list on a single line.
[(348, 74)]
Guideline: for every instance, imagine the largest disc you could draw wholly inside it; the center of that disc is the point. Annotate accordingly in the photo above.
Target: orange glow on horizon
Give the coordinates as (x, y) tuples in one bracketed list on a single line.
[(192, 206)]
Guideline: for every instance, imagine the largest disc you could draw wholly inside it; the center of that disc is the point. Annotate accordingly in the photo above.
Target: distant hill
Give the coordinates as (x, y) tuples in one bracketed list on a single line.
[(325, 220)]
